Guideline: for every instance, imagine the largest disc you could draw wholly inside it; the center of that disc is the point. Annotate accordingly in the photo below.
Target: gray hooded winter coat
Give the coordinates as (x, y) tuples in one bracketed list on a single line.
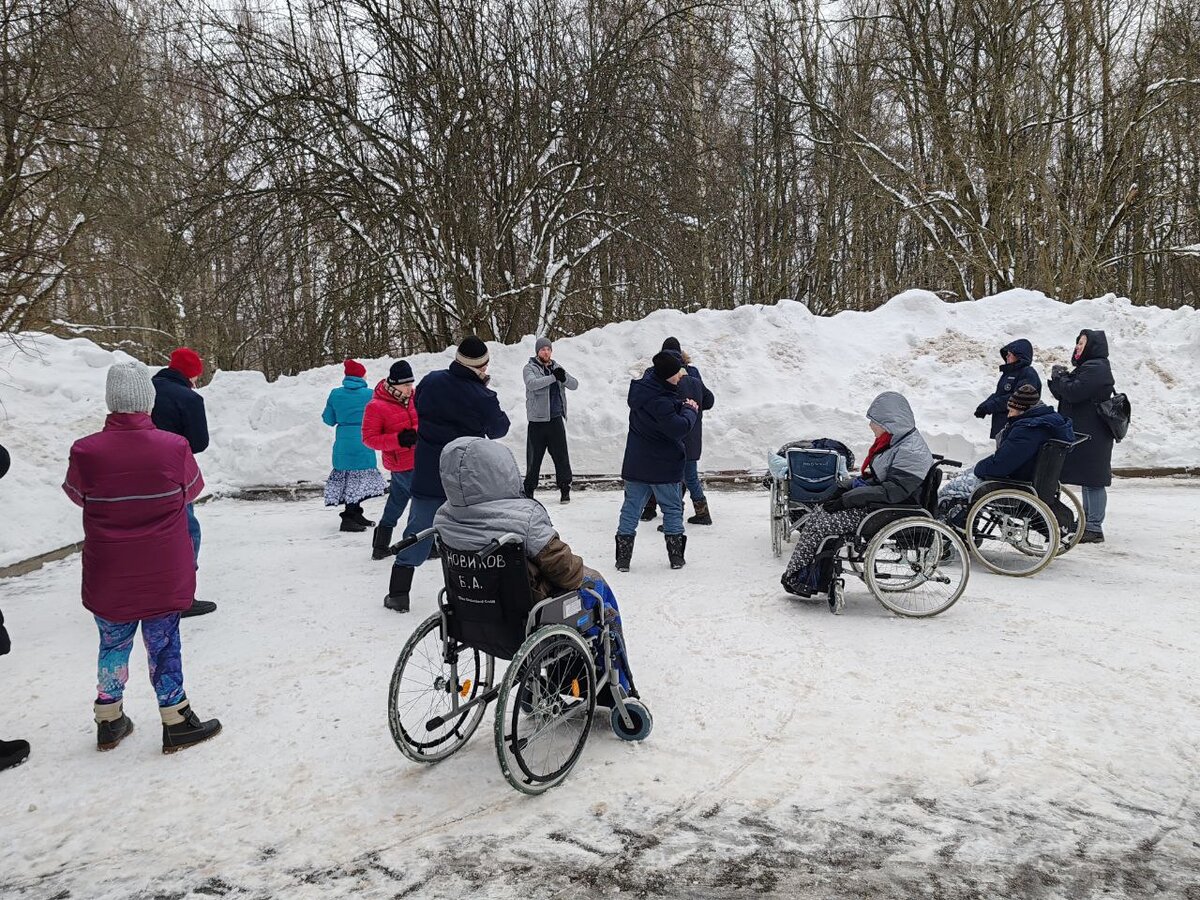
[(484, 501), (897, 472)]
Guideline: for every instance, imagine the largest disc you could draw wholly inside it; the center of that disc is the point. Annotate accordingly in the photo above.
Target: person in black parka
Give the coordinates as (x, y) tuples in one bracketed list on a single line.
[(1016, 370), (12, 753), (1078, 391)]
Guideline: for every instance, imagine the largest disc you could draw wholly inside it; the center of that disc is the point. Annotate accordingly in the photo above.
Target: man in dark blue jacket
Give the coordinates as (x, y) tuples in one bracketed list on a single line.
[(1016, 370), (659, 421), (452, 403), (180, 410), (1030, 424)]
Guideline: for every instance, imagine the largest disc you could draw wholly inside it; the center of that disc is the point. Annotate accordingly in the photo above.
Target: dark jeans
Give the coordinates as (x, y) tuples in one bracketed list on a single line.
[(543, 436)]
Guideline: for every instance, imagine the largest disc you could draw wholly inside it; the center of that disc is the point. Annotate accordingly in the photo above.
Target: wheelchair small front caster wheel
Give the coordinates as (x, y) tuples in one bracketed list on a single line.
[(837, 596), (643, 722)]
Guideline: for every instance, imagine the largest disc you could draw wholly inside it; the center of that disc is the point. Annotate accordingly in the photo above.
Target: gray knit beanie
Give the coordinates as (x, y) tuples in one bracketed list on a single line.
[(129, 388), (541, 343)]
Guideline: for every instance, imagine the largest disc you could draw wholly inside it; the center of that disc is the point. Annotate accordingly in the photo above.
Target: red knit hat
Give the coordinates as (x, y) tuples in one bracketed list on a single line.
[(353, 368), (187, 362)]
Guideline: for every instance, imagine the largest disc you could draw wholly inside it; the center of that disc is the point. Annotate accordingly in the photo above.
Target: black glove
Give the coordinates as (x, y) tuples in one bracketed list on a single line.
[(833, 505), (561, 374), (980, 412), (407, 438), (1058, 371)]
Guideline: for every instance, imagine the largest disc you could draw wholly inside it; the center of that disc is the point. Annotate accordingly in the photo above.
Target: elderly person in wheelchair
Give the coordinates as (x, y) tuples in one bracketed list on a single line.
[(1030, 424), (892, 473)]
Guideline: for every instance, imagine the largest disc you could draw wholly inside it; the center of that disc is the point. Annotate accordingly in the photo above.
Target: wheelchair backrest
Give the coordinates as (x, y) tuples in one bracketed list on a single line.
[(488, 598), (928, 497), (1048, 468), (814, 475)]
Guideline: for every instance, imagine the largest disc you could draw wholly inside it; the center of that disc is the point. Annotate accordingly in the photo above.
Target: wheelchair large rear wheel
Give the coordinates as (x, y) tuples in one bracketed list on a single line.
[(545, 708), (1012, 532), (424, 686), (916, 567), (1067, 537)]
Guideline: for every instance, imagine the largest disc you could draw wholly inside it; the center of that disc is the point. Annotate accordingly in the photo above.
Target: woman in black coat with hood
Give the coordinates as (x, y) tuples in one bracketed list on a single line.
[(1078, 391)]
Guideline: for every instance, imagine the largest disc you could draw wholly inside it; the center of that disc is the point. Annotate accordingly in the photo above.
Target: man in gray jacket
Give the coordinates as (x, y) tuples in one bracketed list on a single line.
[(546, 386)]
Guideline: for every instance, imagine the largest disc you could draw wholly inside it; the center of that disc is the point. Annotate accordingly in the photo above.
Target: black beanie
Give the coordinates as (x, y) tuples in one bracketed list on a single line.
[(666, 364), (1025, 397), (400, 373), (472, 352), (672, 344)]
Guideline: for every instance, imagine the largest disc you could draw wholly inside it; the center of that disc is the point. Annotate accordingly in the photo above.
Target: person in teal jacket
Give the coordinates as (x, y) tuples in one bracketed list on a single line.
[(355, 477)]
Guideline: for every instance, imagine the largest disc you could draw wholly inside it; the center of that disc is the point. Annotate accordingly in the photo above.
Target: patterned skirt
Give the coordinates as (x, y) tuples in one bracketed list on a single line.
[(353, 486)]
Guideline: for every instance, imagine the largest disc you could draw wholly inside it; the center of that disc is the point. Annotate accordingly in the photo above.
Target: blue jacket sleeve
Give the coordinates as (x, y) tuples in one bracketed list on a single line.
[(329, 416), (674, 419), (1018, 448), (496, 418)]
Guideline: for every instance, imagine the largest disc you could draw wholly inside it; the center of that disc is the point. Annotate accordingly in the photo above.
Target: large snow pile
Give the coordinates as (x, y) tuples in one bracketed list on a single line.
[(778, 373)]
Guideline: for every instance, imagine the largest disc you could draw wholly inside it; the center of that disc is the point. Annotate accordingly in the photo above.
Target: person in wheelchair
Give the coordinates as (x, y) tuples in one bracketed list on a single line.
[(1030, 424), (485, 499), (892, 474)]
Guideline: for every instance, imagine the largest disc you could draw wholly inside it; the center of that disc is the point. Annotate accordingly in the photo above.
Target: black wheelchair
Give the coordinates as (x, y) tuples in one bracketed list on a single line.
[(445, 678), (913, 564), (1017, 527)]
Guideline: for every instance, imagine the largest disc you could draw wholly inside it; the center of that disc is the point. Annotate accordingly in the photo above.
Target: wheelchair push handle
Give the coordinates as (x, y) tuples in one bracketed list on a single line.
[(403, 545), (496, 543), (942, 461)]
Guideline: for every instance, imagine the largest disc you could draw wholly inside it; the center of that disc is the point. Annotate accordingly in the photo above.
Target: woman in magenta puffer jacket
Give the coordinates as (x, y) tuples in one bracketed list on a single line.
[(134, 483), (390, 425)]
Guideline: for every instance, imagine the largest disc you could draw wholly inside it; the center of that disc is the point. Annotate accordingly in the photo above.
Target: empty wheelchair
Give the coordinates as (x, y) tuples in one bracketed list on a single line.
[(805, 476), (1017, 527), (563, 656), (913, 564)]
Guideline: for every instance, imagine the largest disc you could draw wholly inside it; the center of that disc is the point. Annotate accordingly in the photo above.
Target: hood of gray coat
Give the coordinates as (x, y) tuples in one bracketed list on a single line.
[(476, 470), (891, 411)]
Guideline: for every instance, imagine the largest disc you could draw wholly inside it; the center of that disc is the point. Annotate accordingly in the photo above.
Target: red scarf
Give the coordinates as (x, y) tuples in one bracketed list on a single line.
[(881, 443)]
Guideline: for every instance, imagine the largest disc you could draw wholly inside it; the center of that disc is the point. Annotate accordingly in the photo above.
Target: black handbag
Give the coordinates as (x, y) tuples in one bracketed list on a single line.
[(1114, 412)]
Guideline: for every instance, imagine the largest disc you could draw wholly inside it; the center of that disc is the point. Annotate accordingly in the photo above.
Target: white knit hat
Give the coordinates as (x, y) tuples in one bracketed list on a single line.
[(129, 388)]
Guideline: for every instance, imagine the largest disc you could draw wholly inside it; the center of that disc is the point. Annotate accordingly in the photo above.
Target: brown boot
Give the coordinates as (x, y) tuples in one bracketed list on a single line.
[(701, 517)]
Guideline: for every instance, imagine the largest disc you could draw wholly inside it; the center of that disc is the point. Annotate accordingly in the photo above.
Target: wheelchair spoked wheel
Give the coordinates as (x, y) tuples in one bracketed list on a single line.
[(1012, 532), (424, 685), (545, 709), (643, 722), (916, 567), (1067, 539), (778, 519)]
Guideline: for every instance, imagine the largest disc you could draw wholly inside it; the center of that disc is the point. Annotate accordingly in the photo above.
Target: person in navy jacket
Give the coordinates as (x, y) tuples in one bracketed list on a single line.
[(1016, 370), (659, 422), (451, 403), (179, 409)]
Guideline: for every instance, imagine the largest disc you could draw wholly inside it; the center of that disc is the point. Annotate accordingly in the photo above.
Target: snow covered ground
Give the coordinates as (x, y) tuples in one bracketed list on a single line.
[(1038, 740), (778, 373)]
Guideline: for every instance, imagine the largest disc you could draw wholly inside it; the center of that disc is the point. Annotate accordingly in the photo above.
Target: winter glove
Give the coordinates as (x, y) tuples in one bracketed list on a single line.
[(561, 374), (833, 505), (407, 438), (1058, 371), (980, 412)]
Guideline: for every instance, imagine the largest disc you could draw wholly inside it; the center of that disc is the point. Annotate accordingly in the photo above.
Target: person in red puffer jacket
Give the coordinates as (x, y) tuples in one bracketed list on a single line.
[(390, 425), (134, 483)]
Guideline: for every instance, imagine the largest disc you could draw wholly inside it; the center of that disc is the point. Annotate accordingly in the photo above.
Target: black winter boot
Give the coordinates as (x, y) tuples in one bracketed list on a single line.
[(13, 753), (182, 728), (650, 510), (349, 523), (701, 517), (398, 587), (198, 608), (624, 551), (356, 512), (112, 725), (564, 493), (676, 543), (380, 541)]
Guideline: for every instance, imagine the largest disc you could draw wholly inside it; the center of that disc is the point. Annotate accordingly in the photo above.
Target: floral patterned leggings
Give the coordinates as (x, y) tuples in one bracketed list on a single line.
[(161, 637)]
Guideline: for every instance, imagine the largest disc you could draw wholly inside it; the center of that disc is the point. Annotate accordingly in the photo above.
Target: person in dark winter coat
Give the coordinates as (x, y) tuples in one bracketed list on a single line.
[(485, 501), (1078, 391), (12, 753), (452, 403), (690, 386), (133, 483), (1016, 370), (659, 421), (892, 473), (179, 409), (546, 386), (354, 477), (389, 425), (1030, 424)]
